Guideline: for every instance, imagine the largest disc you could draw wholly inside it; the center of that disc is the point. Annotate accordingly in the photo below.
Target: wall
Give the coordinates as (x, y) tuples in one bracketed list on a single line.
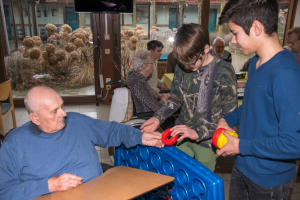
[(297, 18)]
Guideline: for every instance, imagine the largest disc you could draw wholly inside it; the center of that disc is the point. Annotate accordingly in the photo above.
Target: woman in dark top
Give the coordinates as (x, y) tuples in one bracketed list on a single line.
[(145, 99)]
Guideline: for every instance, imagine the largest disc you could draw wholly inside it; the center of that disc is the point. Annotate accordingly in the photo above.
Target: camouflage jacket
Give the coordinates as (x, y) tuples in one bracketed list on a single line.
[(214, 103)]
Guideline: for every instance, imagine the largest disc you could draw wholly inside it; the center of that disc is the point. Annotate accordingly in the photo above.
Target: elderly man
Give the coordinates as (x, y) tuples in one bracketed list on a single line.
[(155, 48), (219, 51), (293, 41), (56, 150)]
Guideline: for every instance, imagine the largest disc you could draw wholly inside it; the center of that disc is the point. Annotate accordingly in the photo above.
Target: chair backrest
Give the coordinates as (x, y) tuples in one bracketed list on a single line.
[(130, 108), (5, 91), (121, 105), (6, 108)]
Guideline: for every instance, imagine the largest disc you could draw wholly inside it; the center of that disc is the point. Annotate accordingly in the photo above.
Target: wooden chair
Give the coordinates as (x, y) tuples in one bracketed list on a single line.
[(298, 163), (7, 104)]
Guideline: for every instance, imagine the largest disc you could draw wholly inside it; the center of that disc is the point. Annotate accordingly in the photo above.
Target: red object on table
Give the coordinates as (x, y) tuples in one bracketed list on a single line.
[(165, 140)]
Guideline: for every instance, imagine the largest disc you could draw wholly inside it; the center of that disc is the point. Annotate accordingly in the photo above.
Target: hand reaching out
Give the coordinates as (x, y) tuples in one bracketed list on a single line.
[(152, 139)]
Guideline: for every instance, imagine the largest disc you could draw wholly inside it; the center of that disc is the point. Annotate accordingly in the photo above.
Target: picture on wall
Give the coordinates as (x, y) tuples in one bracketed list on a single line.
[(54, 12), (38, 13), (142, 15), (46, 13)]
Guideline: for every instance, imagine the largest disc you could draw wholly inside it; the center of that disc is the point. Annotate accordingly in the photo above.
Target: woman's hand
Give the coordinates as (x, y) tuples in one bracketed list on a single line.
[(163, 86), (163, 96)]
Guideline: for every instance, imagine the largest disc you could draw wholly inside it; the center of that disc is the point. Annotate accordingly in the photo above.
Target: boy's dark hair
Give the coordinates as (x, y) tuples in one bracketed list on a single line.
[(295, 30), (153, 44), (189, 42), (244, 12)]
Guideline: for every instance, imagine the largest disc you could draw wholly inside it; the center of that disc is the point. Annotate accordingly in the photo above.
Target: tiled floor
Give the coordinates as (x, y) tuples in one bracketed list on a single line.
[(223, 168)]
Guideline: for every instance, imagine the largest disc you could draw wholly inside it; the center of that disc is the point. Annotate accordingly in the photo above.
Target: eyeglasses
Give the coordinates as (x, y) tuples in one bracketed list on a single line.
[(198, 57)]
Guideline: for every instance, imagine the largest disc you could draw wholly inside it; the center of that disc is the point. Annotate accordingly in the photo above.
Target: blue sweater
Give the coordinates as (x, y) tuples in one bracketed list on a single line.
[(269, 121), (29, 157)]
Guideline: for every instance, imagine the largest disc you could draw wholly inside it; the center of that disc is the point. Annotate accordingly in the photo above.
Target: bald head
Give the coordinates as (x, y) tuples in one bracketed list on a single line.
[(46, 109), (39, 97)]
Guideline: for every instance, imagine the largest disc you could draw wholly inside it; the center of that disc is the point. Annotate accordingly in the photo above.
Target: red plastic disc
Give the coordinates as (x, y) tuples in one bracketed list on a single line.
[(165, 140), (216, 136)]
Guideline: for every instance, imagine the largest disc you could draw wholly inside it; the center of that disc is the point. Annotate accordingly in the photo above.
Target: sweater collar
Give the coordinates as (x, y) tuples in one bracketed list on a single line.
[(35, 129)]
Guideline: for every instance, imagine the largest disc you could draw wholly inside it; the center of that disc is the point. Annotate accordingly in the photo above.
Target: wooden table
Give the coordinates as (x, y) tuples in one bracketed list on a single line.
[(117, 183)]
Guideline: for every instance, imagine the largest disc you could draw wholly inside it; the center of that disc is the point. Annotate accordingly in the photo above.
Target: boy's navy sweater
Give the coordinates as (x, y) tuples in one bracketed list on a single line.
[(269, 121), (29, 157)]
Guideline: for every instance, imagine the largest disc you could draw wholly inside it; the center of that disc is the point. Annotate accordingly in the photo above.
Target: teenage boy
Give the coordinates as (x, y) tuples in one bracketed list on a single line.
[(269, 130), (155, 47), (204, 87)]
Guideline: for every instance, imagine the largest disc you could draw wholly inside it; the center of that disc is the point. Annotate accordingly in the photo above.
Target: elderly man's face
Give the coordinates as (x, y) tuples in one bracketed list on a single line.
[(291, 40), (297, 47), (51, 115), (218, 47)]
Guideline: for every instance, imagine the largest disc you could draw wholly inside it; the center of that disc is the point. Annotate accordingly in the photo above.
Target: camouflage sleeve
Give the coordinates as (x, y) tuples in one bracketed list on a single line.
[(229, 98), (224, 101), (174, 101), (230, 58)]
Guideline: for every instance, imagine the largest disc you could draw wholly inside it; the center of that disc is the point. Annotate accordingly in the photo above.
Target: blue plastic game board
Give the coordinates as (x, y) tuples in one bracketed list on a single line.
[(193, 181)]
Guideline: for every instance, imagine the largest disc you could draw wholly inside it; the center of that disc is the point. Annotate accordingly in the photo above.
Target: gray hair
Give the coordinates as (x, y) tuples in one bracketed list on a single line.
[(218, 38), (139, 58), (294, 30)]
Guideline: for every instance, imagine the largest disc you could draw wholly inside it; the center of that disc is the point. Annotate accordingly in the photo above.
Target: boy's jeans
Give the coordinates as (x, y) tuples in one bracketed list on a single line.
[(242, 188)]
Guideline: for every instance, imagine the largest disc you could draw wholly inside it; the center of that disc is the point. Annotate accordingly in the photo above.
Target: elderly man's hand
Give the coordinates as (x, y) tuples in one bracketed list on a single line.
[(63, 182), (152, 139)]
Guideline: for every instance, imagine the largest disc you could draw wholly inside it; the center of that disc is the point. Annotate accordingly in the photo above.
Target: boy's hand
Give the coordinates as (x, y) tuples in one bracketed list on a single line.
[(184, 131), (150, 125), (223, 124), (231, 148)]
